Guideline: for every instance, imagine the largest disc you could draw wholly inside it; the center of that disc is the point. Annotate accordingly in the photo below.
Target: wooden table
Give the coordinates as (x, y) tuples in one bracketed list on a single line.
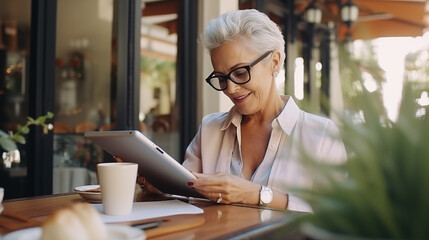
[(217, 222)]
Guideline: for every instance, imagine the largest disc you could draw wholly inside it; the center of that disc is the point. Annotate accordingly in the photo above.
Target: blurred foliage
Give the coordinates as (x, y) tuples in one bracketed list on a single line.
[(160, 71), (353, 71), (417, 67), (8, 141), (381, 191)]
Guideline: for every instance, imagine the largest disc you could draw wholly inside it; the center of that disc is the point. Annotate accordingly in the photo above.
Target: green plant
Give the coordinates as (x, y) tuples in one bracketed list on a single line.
[(8, 141), (381, 191)]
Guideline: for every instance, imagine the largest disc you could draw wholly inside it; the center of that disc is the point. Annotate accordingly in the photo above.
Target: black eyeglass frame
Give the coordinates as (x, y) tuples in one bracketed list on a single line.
[(228, 76)]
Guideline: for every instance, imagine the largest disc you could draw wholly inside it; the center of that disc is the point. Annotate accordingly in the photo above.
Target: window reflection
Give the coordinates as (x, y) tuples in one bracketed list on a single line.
[(14, 58), (83, 53), (82, 88), (14, 49), (158, 104)]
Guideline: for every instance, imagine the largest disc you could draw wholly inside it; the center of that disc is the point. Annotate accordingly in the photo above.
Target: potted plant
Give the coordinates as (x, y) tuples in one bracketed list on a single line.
[(8, 141), (381, 192)]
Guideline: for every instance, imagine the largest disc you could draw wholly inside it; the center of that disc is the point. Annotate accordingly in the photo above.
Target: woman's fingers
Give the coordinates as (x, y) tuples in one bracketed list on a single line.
[(207, 185), (151, 189), (216, 187), (118, 159), (228, 188), (208, 180), (214, 195)]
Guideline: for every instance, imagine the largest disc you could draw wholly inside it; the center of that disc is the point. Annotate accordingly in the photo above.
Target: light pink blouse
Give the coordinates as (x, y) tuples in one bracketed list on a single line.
[(216, 148)]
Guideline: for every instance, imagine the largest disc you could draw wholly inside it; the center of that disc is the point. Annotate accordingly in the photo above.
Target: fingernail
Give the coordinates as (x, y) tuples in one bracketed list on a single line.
[(190, 184)]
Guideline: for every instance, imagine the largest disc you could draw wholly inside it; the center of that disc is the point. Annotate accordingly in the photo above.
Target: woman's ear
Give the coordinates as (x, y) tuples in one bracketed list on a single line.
[(275, 63)]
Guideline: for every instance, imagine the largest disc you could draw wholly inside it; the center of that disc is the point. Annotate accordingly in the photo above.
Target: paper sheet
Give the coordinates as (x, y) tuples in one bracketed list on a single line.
[(147, 210)]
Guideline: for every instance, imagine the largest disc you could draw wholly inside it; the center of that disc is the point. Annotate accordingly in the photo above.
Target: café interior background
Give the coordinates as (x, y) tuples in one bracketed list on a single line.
[(86, 77), (85, 68)]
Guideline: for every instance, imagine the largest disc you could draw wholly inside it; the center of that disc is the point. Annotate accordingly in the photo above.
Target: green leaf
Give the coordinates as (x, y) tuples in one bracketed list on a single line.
[(7, 144), (19, 139), (3, 133), (30, 119), (25, 130)]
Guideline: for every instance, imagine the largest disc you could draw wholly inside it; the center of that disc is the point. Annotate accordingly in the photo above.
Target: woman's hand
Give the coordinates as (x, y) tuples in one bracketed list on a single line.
[(228, 188)]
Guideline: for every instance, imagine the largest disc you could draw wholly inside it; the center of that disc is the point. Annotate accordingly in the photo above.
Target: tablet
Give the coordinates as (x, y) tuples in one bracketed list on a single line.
[(159, 168)]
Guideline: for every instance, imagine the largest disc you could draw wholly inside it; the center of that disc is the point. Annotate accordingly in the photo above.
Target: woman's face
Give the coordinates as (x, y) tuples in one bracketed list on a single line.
[(253, 96)]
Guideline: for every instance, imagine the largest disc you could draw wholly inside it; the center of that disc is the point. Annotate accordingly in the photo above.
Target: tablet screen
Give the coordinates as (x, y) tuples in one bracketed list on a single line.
[(159, 168)]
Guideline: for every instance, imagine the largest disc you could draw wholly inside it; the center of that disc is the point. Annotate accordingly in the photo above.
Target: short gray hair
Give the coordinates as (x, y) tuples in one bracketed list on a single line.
[(264, 34)]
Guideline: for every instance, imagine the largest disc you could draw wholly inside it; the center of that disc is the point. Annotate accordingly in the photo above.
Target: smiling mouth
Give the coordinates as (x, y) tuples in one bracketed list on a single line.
[(242, 97)]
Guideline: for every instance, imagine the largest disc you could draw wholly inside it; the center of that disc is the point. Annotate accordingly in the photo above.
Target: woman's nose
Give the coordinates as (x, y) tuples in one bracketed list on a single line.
[(231, 86)]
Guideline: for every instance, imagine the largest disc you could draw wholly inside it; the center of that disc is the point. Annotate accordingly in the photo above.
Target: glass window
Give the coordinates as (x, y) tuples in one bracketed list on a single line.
[(158, 101), (82, 88), (14, 57)]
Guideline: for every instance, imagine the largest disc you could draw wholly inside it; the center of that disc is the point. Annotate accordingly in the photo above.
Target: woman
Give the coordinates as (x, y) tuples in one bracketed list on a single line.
[(251, 154)]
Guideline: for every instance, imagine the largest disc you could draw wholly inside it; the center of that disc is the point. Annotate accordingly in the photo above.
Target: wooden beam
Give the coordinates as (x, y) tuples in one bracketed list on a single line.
[(160, 8), (404, 10), (170, 25), (380, 28)]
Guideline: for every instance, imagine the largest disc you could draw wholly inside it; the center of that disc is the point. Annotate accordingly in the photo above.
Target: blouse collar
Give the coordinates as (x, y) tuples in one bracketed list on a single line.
[(286, 119)]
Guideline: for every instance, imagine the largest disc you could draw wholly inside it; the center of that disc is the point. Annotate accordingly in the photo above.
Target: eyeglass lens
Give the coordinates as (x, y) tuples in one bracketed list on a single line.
[(240, 75)]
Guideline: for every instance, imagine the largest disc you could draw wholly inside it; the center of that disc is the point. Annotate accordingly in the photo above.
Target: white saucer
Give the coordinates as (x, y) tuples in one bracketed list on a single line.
[(90, 196), (114, 232)]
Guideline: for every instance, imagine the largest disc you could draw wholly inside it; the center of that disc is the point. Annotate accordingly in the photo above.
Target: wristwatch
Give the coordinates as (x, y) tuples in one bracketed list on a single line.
[(265, 196)]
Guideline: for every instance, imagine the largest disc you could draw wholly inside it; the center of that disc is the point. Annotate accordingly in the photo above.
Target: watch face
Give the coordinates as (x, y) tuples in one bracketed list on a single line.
[(266, 196)]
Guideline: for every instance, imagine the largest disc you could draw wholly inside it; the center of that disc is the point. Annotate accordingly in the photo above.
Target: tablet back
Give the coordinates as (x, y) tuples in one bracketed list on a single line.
[(159, 168)]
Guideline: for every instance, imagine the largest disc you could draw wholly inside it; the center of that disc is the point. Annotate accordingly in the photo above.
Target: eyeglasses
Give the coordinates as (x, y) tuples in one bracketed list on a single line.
[(240, 75)]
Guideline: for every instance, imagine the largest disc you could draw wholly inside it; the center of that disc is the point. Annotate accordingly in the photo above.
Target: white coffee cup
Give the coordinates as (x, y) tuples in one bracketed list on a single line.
[(117, 182)]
